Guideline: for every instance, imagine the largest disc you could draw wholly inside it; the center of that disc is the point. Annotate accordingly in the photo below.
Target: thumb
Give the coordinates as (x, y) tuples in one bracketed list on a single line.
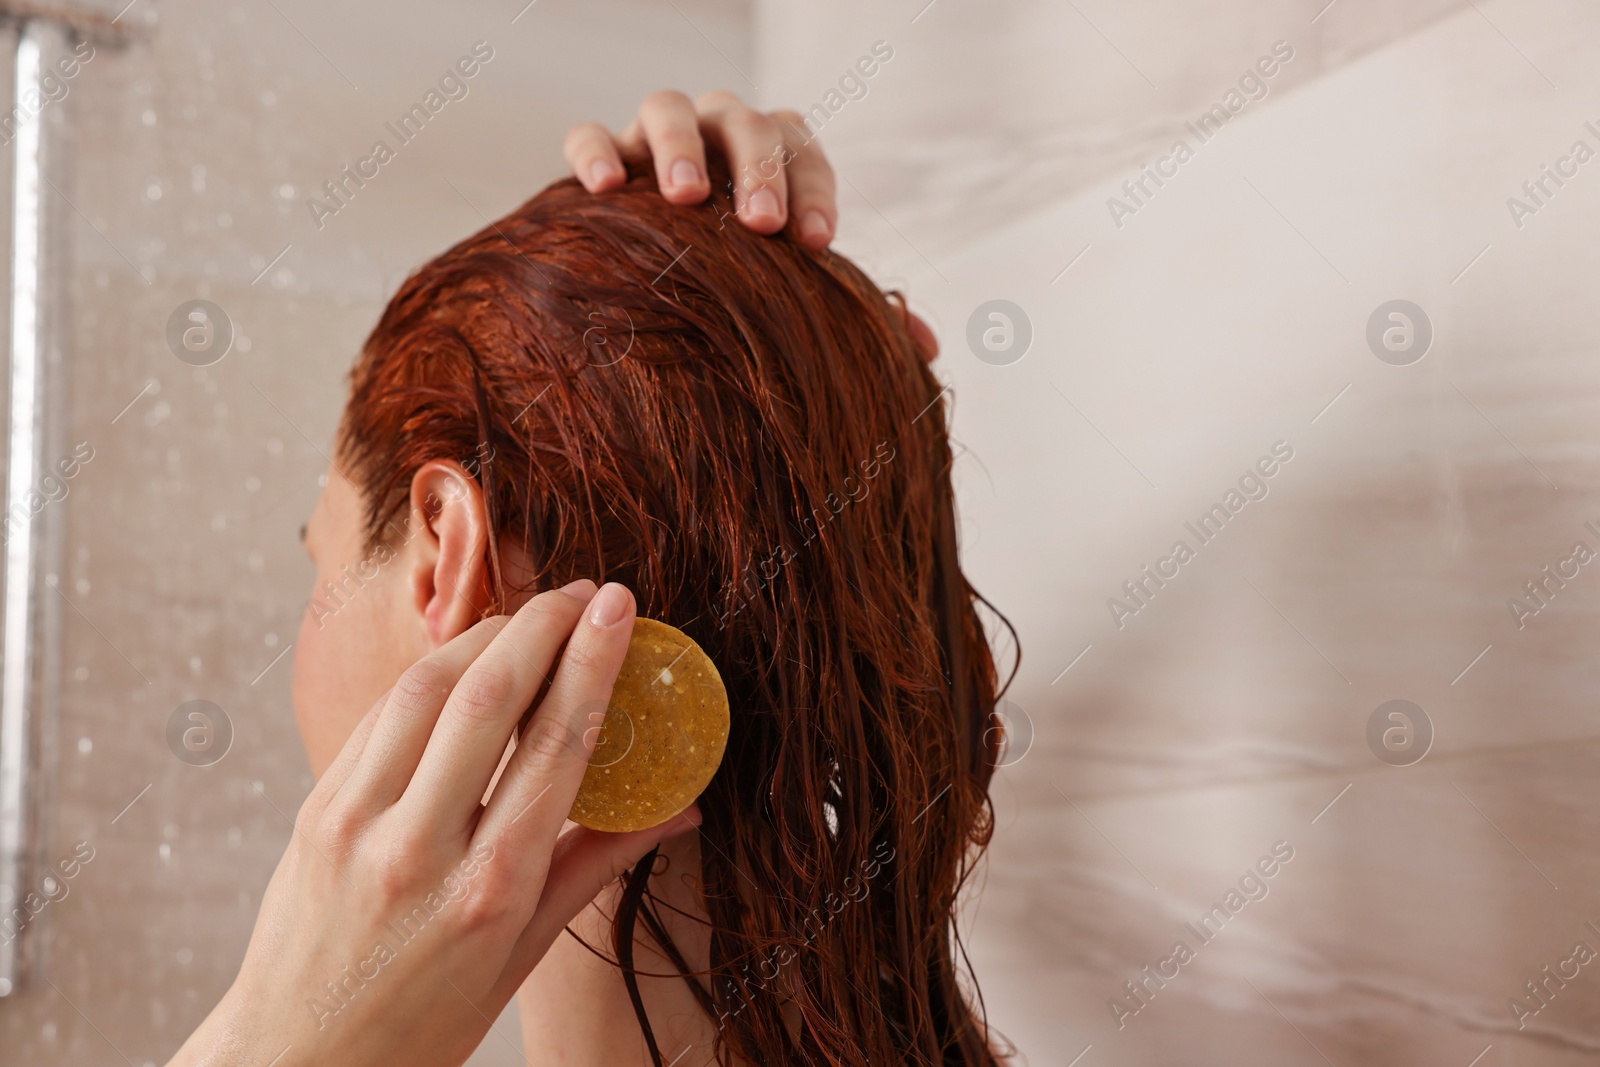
[(584, 862)]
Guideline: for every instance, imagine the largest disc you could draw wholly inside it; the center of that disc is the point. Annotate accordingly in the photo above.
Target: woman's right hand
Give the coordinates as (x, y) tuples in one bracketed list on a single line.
[(405, 913)]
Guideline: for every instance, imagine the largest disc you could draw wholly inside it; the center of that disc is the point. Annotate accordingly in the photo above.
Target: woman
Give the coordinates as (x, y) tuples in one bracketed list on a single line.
[(738, 431)]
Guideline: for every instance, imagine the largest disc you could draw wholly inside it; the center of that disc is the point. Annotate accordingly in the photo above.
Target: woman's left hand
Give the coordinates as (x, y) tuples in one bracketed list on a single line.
[(779, 170)]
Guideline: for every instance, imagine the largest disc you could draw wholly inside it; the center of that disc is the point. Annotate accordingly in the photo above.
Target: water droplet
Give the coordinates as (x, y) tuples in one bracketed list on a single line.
[(194, 664), (184, 956), (85, 744), (148, 117), (164, 850), (153, 191), (286, 191), (271, 640), (252, 484), (274, 446), (82, 586)]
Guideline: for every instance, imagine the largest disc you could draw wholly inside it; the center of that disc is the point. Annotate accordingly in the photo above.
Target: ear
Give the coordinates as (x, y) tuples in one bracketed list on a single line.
[(449, 563)]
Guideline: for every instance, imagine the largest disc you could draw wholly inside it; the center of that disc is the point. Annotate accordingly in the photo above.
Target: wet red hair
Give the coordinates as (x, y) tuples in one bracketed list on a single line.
[(740, 430)]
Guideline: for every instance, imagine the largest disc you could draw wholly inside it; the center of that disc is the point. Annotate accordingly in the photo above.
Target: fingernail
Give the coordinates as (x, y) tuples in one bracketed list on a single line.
[(602, 171), (582, 589), (610, 605), (815, 226), (685, 173), (763, 204)]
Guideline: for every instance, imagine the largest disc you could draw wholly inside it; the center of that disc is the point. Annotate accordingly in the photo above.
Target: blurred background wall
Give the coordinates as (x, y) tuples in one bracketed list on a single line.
[(1174, 343)]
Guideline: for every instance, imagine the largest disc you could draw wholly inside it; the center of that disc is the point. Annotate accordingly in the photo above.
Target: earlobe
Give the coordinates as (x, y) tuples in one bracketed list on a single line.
[(450, 575)]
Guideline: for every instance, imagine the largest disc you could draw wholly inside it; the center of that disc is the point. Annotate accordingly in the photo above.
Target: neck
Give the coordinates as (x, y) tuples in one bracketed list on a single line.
[(575, 1008)]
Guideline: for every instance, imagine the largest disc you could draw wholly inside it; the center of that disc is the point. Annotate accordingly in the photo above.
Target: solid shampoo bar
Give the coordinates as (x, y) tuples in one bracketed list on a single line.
[(665, 730)]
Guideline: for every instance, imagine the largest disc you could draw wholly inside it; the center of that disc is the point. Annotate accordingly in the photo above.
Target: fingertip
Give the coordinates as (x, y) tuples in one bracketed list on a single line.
[(611, 605), (684, 182), (603, 174), (816, 231), (762, 211)]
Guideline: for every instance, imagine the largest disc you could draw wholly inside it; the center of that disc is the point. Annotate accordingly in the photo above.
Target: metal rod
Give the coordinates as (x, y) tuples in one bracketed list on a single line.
[(32, 408)]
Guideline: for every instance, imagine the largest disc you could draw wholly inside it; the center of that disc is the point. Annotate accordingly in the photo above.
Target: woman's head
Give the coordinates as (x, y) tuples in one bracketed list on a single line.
[(742, 432)]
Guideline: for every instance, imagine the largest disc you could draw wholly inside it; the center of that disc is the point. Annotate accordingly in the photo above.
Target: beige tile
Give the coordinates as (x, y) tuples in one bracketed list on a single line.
[(1413, 908)]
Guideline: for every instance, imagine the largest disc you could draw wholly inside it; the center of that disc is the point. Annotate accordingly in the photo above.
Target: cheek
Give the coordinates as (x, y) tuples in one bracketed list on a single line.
[(314, 688), (351, 648)]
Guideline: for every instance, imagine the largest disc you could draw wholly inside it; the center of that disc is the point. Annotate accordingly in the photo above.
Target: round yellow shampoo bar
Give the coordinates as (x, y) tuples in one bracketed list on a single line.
[(665, 730)]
